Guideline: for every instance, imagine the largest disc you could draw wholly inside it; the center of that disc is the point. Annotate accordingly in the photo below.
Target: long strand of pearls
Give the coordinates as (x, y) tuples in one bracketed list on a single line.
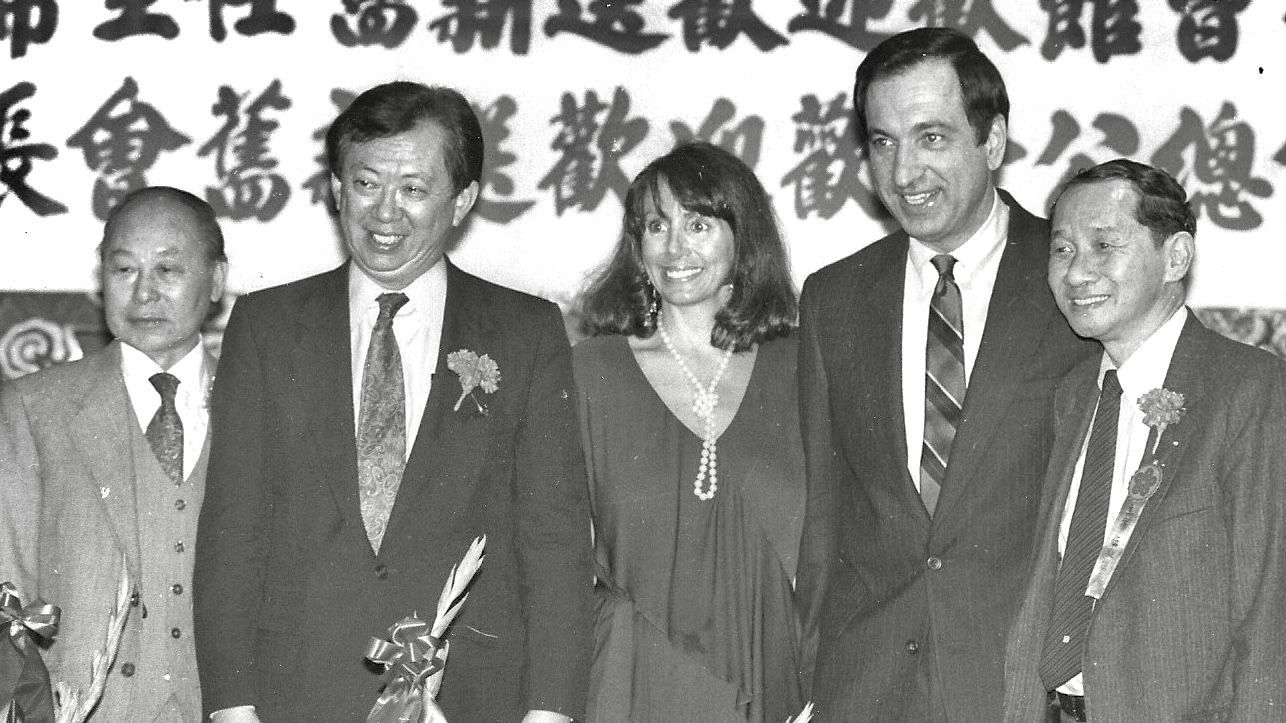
[(704, 402)]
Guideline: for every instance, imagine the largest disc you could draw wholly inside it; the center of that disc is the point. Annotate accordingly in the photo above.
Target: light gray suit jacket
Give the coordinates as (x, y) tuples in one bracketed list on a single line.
[(69, 517), (1192, 625)]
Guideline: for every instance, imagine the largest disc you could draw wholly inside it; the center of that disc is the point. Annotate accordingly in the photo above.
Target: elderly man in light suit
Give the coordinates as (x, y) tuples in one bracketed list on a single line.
[(102, 463), (1159, 589)]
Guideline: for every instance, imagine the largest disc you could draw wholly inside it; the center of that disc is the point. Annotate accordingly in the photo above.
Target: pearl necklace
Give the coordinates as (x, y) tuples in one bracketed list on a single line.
[(704, 402)]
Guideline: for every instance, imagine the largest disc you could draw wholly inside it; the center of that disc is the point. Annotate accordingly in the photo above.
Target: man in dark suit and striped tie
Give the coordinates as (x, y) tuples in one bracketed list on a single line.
[(928, 362)]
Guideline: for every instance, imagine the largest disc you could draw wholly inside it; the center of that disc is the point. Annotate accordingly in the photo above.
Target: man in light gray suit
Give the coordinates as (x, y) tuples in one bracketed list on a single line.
[(1159, 588), (102, 463)]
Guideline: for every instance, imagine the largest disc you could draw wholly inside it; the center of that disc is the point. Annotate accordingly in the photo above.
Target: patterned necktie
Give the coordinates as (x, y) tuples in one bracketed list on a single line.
[(165, 431), (944, 380), (1065, 641), (381, 423)]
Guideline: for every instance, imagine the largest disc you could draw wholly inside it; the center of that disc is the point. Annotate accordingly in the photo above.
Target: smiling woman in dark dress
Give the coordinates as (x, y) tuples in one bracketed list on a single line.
[(690, 422)]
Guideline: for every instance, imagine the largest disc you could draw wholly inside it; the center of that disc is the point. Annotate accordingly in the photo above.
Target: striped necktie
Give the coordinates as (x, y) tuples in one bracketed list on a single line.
[(944, 380), (165, 430), (1065, 640), (381, 423)]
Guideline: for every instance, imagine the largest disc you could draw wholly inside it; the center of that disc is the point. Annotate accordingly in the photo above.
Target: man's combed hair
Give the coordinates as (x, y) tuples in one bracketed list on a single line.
[(393, 108), (202, 213), (981, 86), (708, 180), (1163, 204)]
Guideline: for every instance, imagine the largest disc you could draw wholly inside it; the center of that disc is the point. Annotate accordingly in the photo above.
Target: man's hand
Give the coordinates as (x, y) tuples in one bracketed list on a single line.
[(545, 716)]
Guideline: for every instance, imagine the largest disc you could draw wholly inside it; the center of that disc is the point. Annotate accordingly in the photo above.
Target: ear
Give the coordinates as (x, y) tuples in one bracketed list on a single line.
[(464, 201), (219, 281), (335, 188), (997, 139), (1179, 250)]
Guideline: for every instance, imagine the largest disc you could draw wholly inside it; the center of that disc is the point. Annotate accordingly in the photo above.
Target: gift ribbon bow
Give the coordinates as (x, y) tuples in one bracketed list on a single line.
[(410, 653), (38, 617)]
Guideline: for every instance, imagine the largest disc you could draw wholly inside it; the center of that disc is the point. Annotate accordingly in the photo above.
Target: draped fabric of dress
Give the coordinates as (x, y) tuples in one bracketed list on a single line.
[(696, 612)]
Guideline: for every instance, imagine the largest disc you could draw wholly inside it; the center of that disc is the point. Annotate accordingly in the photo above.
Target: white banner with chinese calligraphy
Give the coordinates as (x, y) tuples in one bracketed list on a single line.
[(229, 98)]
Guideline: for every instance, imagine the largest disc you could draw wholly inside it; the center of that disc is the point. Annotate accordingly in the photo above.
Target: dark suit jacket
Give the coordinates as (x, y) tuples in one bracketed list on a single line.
[(288, 591), (1192, 625), (911, 611)]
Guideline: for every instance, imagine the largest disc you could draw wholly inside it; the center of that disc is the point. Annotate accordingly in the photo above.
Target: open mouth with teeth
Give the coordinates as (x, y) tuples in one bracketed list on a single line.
[(1087, 301), (683, 273), (919, 199), (387, 240)]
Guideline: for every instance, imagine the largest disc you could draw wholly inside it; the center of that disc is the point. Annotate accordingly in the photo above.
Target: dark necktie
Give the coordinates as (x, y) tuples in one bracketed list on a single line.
[(944, 380), (381, 423), (1065, 642), (165, 431)]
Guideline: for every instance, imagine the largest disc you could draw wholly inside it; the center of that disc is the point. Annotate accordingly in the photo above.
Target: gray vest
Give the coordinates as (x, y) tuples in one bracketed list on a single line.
[(157, 649)]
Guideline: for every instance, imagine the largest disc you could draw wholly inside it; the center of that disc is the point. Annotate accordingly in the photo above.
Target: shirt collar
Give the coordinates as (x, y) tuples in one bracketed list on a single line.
[(972, 255), (192, 372), (363, 291), (1146, 368)]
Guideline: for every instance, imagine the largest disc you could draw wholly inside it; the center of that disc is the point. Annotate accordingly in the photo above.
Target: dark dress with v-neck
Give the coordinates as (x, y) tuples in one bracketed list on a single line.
[(696, 612)]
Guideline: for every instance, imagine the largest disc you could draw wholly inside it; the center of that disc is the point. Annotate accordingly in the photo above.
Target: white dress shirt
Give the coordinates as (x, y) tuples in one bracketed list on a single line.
[(1144, 371), (977, 262), (417, 327), (191, 399)]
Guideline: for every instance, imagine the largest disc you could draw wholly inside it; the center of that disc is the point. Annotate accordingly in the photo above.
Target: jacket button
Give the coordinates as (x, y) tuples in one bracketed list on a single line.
[(178, 546), (179, 504), (381, 571), (127, 669), (912, 647), (176, 588), (934, 563), (175, 633)]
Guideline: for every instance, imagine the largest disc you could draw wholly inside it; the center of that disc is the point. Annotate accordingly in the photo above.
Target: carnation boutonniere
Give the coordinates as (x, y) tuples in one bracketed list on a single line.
[(475, 371), (1161, 408)]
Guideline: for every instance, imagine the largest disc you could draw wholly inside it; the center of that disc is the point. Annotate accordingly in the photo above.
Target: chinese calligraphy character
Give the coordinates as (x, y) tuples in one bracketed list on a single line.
[(616, 25), (589, 167), (494, 120), (853, 32), (318, 184), (1208, 28), (743, 140), (1220, 177), (720, 22), (1113, 29), (134, 19), (967, 16), (379, 22), (1118, 135), (121, 141), (15, 159), (485, 21), (240, 151), (829, 174), (264, 17), (23, 22)]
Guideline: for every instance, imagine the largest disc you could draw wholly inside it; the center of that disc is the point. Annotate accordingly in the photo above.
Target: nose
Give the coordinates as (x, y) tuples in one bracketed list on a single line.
[(675, 242), (386, 207), (906, 165), (1081, 269), (144, 288)]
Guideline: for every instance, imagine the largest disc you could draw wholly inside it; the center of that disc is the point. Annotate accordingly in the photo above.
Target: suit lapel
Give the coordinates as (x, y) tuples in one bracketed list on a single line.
[(1184, 376), (99, 428), (877, 324), (322, 361), (1015, 325), (450, 445), (1072, 422)]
